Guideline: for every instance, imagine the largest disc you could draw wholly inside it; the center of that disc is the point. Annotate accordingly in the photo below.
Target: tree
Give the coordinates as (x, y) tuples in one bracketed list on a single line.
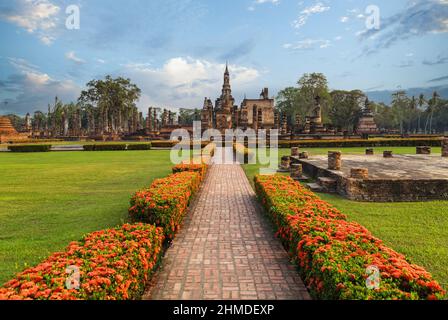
[(187, 116), (346, 108), (310, 86), (400, 108), (421, 102), (384, 117), (115, 99), (287, 101)]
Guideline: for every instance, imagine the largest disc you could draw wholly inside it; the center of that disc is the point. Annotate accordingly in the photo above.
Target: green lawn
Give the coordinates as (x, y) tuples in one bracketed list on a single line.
[(418, 230), (50, 199)]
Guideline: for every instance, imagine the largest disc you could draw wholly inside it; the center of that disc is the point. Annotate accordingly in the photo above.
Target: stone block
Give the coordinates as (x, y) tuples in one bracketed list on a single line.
[(388, 154), (445, 147), (295, 152), (359, 173), (370, 152), (296, 170), (303, 155), (334, 160), (423, 150)]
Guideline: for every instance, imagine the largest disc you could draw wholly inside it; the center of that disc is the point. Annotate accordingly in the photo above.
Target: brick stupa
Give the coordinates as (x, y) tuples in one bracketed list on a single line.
[(8, 132), (366, 124)]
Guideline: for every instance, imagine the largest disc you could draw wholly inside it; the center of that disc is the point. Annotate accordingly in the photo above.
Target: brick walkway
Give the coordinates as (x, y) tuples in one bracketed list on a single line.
[(226, 249)]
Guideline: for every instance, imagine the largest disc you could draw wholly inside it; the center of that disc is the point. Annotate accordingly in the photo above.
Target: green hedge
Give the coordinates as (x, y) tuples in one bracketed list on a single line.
[(30, 148), (146, 146), (105, 147)]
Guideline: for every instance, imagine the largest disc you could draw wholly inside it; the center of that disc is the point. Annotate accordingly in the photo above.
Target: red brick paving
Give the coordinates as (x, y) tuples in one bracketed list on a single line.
[(226, 249)]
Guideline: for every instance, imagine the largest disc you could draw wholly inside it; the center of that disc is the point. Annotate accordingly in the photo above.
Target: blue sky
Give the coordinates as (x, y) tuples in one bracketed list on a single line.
[(175, 50)]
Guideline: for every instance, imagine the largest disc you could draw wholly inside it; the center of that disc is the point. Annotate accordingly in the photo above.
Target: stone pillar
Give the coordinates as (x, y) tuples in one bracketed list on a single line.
[(303, 155), (359, 173), (296, 171), (423, 150), (294, 152), (370, 152), (286, 162), (388, 154), (445, 147), (334, 160)]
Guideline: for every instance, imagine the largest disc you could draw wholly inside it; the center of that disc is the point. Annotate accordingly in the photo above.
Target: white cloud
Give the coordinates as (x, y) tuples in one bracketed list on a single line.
[(306, 13), (344, 19), (35, 16), (183, 82), (33, 89), (308, 44), (260, 2), (72, 57)]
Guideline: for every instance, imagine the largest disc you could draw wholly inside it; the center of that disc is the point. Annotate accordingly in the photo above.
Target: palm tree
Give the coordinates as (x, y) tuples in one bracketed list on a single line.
[(421, 102), (435, 99)]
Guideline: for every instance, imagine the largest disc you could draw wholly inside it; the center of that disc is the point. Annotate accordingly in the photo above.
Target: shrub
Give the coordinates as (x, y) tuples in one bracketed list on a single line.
[(30, 148), (163, 144), (146, 146), (89, 147), (166, 201), (114, 264), (105, 147), (243, 152), (201, 169), (332, 253)]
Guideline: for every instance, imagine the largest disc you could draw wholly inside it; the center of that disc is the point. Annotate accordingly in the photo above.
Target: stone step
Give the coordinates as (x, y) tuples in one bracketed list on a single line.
[(315, 187), (303, 178), (328, 184)]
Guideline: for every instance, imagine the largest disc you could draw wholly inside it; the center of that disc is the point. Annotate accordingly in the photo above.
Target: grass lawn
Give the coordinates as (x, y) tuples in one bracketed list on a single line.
[(50, 199), (418, 230)]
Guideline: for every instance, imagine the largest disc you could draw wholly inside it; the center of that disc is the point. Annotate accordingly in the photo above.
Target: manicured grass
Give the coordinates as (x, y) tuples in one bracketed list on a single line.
[(50, 199), (417, 230)]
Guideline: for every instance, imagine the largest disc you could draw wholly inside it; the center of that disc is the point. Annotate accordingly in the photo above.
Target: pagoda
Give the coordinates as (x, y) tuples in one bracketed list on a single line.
[(366, 124), (7, 131)]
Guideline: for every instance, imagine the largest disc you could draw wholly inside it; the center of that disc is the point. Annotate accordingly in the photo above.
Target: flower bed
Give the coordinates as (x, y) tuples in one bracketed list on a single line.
[(114, 265), (166, 201), (334, 254), (201, 169)]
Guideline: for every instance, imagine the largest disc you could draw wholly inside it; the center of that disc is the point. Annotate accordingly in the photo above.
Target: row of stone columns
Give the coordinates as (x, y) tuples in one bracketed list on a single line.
[(335, 160)]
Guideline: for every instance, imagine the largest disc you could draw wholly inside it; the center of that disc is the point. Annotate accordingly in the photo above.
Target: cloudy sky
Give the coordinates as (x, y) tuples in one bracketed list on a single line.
[(175, 50)]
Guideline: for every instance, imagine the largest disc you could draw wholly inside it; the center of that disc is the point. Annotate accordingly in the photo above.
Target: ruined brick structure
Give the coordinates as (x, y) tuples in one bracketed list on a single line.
[(253, 113), (366, 124)]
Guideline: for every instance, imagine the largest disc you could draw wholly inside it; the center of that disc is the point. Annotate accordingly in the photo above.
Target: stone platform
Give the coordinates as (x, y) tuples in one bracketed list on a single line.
[(399, 179)]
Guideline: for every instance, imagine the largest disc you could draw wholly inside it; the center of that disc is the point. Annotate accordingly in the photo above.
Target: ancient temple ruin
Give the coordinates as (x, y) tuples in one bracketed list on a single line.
[(8, 133), (253, 113), (366, 124)]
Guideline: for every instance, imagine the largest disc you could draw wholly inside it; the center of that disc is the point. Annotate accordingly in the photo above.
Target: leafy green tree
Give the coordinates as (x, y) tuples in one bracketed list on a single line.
[(115, 99), (310, 86), (346, 108), (187, 116), (400, 108)]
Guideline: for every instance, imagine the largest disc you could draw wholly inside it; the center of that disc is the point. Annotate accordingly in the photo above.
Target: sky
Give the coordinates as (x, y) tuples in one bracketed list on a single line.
[(176, 50)]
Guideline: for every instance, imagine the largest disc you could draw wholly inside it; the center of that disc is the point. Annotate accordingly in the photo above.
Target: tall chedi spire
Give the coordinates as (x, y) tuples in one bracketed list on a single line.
[(226, 88)]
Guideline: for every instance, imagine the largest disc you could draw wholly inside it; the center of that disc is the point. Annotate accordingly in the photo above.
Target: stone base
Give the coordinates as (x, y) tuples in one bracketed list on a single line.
[(399, 179)]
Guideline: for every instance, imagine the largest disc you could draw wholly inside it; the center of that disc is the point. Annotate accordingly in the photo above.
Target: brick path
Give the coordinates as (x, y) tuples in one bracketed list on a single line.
[(226, 249)]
